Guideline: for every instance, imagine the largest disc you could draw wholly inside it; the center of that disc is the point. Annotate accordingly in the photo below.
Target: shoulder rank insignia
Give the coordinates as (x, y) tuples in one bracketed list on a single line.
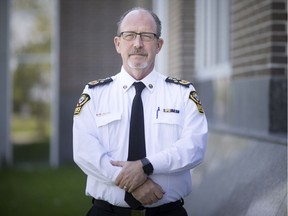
[(82, 101), (177, 81), (194, 97), (98, 82)]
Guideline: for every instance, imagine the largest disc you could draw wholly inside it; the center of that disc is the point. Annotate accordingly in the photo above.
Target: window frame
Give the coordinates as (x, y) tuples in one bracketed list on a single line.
[(212, 39)]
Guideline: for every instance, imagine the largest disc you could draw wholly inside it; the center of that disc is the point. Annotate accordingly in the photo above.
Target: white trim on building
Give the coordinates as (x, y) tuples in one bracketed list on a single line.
[(54, 143), (161, 8)]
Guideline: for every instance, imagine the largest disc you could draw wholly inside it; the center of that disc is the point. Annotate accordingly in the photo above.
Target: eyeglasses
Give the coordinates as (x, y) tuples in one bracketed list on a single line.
[(145, 36)]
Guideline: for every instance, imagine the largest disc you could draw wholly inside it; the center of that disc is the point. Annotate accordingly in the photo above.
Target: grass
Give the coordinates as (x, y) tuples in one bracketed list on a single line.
[(43, 191), (32, 188)]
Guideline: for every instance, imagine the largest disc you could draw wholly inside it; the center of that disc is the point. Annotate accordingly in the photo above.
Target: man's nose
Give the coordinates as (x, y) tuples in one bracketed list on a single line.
[(138, 42)]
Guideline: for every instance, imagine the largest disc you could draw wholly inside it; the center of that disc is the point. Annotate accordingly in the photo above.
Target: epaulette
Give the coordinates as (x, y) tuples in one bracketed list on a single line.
[(99, 82), (177, 81)]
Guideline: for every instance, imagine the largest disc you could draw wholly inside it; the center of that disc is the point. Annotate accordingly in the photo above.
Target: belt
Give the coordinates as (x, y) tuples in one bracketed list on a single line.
[(138, 212)]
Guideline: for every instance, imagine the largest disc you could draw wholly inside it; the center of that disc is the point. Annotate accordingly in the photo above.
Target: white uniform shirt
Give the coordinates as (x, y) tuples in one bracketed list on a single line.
[(175, 135)]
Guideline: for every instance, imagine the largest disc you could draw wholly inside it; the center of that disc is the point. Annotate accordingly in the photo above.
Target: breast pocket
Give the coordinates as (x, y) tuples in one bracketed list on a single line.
[(168, 127), (108, 127), (168, 118)]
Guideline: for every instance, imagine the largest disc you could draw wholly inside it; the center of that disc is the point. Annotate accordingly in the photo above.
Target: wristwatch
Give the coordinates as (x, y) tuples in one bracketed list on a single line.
[(147, 166)]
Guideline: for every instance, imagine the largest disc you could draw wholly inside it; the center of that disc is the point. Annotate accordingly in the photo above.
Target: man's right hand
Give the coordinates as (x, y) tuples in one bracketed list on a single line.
[(148, 193)]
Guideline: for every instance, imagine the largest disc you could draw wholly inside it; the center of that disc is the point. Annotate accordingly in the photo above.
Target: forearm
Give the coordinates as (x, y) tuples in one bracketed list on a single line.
[(91, 157), (185, 154)]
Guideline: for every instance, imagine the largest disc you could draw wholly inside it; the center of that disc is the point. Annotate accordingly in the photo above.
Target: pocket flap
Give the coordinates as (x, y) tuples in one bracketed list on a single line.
[(107, 118), (168, 118)]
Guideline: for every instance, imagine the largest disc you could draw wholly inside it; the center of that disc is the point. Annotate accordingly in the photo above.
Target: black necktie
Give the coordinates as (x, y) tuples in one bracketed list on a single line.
[(136, 136)]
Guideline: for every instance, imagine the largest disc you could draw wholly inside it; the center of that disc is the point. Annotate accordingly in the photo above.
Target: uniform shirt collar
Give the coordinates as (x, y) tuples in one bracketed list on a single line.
[(127, 80)]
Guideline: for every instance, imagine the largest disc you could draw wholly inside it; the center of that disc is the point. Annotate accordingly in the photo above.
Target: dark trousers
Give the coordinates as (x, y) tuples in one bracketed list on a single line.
[(105, 210)]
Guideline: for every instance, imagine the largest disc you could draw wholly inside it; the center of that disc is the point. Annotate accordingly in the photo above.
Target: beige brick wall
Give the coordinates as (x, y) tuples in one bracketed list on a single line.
[(259, 37), (181, 39)]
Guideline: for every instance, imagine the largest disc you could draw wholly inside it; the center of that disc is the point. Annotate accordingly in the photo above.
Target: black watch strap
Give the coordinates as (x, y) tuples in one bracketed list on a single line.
[(147, 166)]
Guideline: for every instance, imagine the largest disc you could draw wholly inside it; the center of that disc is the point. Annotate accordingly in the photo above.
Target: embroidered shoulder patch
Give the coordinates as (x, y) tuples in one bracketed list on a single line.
[(82, 101), (99, 82), (177, 81), (194, 97)]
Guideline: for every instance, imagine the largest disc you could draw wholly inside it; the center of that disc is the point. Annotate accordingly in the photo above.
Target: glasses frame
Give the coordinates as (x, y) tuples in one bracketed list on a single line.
[(140, 34)]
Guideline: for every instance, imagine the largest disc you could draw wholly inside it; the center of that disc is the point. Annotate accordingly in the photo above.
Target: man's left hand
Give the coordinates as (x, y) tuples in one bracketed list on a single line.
[(131, 175)]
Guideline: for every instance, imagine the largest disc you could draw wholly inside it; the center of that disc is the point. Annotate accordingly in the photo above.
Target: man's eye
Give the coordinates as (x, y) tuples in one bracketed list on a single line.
[(130, 35), (147, 36)]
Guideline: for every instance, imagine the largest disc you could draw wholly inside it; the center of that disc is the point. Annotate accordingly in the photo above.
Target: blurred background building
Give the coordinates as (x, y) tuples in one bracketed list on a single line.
[(234, 52)]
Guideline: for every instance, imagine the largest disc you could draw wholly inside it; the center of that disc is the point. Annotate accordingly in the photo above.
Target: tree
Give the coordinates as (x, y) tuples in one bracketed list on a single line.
[(31, 48)]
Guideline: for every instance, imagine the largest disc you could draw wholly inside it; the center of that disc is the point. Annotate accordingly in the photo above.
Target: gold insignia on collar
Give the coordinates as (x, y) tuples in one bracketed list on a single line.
[(194, 97), (82, 101)]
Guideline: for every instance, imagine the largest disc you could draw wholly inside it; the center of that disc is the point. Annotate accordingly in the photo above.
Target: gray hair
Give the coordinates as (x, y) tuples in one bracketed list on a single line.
[(155, 17)]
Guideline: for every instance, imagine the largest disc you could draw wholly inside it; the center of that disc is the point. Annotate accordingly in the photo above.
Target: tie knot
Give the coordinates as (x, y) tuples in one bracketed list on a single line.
[(139, 86)]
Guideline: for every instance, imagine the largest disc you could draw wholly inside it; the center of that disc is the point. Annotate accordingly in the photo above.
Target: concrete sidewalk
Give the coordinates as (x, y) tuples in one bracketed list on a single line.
[(240, 177)]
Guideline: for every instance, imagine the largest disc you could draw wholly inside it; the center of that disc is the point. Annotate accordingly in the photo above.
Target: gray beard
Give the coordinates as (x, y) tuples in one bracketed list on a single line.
[(137, 66)]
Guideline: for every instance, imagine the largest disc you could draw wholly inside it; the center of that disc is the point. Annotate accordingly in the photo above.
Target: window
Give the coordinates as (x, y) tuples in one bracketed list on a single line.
[(212, 38)]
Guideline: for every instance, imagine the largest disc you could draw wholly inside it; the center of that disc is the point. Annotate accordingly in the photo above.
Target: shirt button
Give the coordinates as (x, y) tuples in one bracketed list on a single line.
[(125, 87), (150, 86)]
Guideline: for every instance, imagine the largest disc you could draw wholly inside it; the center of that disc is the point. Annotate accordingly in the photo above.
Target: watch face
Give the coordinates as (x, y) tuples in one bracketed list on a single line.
[(147, 166), (148, 169)]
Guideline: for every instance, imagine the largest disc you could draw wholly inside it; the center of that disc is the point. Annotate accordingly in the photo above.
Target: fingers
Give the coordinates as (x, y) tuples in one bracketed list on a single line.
[(120, 181), (149, 192), (117, 163), (119, 178), (131, 175), (149, 200), (126, 185), (159, 194)]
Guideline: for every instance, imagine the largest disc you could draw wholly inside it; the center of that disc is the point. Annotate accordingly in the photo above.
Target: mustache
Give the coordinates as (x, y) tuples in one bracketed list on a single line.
[(138, 52)]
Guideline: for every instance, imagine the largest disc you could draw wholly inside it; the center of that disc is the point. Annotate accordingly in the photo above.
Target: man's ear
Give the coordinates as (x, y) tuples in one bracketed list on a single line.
[(117, 44), (160, 43)]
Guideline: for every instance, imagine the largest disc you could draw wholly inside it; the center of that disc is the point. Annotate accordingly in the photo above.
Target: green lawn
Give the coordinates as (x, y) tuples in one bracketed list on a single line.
[(32, 188), (43, 191)]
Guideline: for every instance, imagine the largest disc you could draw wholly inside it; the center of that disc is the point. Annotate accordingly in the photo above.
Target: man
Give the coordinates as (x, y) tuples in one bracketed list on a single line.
[(142, 166)]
